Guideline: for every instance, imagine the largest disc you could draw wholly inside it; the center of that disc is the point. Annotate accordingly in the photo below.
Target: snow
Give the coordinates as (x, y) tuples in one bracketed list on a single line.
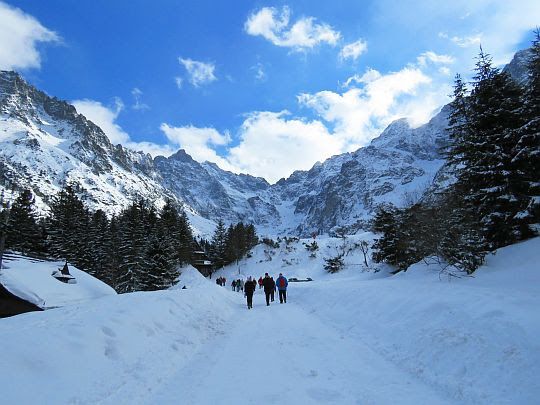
[(33, 281), (360, 336)]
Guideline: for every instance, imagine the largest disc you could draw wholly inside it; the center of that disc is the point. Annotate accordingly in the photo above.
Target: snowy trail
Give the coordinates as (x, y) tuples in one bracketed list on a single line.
[(282, 354)]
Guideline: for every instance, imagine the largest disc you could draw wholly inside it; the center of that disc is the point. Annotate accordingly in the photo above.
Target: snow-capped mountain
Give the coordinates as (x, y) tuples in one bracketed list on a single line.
[(517, 68), (344, 190), (45, 143)]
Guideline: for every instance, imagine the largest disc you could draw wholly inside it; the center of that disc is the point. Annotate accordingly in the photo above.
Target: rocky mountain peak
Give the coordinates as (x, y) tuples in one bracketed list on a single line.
[(517, 68)]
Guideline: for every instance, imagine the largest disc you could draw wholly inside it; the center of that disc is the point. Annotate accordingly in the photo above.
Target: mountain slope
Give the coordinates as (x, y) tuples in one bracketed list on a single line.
[(45, 143)]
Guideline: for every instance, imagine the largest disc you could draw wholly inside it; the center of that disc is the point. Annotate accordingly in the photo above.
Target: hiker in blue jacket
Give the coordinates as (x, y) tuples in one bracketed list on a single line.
[(282, 284)]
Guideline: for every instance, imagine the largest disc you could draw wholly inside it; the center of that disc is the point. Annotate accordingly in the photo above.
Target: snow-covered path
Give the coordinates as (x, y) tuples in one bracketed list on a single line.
[(283, 354)]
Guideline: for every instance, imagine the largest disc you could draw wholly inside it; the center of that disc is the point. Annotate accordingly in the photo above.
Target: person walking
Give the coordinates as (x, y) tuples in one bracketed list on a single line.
[(273, 289), (249, 288), (260, 282), (233, 284), (269, 286), (282, 284)]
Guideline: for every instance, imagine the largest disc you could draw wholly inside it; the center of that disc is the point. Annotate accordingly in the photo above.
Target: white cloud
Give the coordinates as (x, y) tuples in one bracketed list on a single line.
[(361, 113), (20, 34), (353, 50), (435, 58), (199, 72), (445, 70), (138, 104), (105, 118), (464, 41), (272, 146), (260, 74), (304, 34), (198, 142), (179, 81)]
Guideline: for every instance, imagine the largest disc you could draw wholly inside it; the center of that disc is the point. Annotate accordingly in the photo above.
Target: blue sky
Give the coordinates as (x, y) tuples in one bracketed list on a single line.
[(258, 87)]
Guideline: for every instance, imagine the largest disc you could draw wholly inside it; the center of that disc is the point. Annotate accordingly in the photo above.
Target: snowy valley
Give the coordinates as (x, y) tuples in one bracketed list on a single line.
[(361, 336)]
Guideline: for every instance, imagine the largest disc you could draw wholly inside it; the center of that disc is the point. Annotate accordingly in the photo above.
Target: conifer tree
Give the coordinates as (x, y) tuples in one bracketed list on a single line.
[(132, 245), (24, 234), (526, 153), (99, 240), (389, 248), (66, 225), (482, 144), (218, 250)]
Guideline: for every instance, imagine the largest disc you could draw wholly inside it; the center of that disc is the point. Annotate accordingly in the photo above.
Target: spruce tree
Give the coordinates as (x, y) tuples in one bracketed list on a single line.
[(24, 233), (483, 145), (132, 244), (218, 250), (66, 225), (390, 247), (526, 153), (99, 239)]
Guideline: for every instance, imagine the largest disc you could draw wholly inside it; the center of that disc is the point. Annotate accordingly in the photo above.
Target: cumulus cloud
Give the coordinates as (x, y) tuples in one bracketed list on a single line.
[(273, 146), (273, 25), (105, 118), (198, 142), (361, 113), (20, 35), (353, 50), (199, 72)]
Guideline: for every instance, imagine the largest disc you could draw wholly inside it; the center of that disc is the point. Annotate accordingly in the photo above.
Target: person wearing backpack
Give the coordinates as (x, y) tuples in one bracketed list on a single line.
[(282, 284)]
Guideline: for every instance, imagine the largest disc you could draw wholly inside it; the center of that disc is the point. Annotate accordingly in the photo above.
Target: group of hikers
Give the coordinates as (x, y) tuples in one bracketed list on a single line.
[(221, 281), (270, 286), (267, 282), (238, 285)]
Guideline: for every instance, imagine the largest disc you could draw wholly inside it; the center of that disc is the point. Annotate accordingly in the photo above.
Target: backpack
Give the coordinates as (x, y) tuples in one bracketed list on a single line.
[(281, 282)]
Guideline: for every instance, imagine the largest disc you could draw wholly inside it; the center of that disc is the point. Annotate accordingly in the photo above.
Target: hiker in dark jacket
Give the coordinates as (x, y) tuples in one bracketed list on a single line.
[(249, 288), (282, 284), (273, 289), (269, 286), (233, 284)]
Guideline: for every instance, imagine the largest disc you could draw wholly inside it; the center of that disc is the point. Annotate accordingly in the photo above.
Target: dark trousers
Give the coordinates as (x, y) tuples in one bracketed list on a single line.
[(249, 300), (282, 296), (272, 295), (267, 293)]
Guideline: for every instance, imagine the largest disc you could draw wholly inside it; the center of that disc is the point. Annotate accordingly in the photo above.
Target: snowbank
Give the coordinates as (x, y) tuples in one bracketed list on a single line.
[(113, 350), (32, 281), (475, 338)]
